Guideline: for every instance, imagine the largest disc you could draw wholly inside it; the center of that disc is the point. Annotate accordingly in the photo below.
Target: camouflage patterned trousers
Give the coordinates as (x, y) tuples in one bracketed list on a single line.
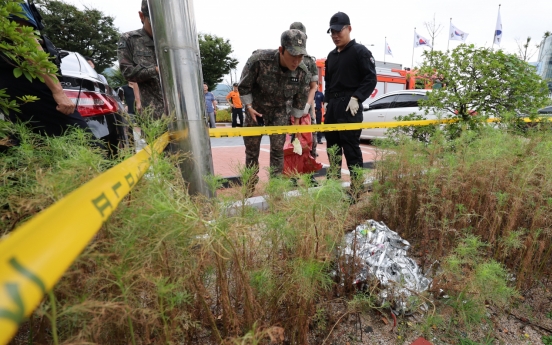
[(272, 117)]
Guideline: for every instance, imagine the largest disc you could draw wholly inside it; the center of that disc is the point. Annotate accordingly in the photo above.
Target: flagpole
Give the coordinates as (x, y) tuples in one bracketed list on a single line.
[(413, 46), (384, 50), (448, 42), (495, 27)]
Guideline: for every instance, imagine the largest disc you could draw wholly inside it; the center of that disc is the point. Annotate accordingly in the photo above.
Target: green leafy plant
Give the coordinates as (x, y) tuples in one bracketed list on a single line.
[(18, 45), (481, 81), (224, 115), (547, 339)]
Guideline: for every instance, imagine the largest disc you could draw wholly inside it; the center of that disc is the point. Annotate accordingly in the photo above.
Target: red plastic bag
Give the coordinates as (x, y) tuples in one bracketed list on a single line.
[(300, 164)]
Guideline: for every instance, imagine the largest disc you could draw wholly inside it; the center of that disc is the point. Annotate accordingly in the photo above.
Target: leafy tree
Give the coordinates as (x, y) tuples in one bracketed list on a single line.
[(88, 32), (215, 59), (483, 81), (18, 44)]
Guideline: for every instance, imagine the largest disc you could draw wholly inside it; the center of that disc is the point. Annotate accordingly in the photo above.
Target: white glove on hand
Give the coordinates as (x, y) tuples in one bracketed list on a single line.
[(297, 147), (325, 106), (307, 107), (353, 106)]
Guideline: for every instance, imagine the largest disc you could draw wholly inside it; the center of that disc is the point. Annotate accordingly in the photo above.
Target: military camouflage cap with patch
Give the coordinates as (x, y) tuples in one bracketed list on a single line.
[(145, 9), (299, 26), (294, 41)]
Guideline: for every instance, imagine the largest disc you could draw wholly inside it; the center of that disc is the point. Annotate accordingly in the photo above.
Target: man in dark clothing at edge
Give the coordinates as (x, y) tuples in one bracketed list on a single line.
[(350, 79), (54, 112)]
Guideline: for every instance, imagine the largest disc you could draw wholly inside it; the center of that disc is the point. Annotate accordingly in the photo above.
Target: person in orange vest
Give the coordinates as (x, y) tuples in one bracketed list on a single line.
[(233, 98)]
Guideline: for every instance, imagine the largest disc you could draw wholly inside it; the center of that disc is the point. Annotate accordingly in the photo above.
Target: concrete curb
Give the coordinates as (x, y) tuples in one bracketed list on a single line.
[(260, 203)]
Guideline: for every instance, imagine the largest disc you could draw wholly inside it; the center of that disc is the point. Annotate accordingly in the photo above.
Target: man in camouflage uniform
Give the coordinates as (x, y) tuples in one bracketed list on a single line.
[(138, 63), (272, 87), (310, 62)]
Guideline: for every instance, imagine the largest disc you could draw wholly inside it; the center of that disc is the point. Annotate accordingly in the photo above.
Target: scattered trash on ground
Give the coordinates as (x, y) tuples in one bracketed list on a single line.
[(380, 253)]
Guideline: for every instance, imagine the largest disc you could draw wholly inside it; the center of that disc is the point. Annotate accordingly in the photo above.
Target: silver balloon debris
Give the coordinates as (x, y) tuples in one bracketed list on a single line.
[(379, 252)]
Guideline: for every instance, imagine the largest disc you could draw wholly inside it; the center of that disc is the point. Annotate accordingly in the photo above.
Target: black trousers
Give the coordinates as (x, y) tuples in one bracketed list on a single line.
[(318, 121), (346, 142), (235, 113)]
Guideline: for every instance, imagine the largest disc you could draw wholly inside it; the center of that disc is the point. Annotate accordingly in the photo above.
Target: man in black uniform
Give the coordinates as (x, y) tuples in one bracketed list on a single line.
[(350, 79)]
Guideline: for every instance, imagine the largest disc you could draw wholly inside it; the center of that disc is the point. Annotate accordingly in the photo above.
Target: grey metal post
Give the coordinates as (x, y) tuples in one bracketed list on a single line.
[(177, 48)]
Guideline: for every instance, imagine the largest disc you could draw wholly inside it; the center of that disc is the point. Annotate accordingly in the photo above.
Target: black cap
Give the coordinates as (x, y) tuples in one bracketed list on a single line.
[(235, 84), (338, 21)]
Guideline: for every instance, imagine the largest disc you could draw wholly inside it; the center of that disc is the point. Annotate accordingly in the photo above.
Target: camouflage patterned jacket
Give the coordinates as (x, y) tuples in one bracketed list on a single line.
[(263, 82), (137, 60), (310, 62)]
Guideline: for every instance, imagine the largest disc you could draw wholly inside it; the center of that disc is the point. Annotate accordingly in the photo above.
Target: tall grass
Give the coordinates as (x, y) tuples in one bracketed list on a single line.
[(167, 268), (491, 184)]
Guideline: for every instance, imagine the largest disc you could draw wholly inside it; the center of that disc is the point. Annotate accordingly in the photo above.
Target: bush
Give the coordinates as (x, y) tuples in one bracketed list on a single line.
[(491, 184), (224, 115)]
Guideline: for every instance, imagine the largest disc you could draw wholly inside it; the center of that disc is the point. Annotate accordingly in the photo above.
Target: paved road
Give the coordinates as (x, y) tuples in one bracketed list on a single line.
[(238, 141), (234, 141)]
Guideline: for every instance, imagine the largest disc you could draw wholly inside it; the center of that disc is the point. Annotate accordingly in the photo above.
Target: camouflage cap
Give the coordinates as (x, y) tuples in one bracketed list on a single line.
[(299, 26), (145, 9), (294, 41)]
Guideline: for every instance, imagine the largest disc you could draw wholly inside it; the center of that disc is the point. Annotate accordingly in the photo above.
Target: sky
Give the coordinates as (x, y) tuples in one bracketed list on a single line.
[(254, 24)]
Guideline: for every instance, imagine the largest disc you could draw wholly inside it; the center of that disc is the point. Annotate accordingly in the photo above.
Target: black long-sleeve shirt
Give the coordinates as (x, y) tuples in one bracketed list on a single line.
[(351, 70)]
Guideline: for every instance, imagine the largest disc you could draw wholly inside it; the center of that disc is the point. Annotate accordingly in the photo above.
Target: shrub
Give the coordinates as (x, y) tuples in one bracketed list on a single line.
[(494, 185), (224, 115)]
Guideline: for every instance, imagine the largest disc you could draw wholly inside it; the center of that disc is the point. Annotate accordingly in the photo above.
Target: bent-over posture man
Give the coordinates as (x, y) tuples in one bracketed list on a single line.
[(272, 87)]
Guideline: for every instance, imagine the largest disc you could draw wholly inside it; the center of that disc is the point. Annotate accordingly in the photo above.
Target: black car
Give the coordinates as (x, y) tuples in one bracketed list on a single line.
[(96, 101)]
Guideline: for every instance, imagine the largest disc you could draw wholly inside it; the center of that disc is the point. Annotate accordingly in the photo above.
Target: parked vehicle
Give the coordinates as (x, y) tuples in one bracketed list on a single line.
[(388, 107), (97, 103), (546, 111)]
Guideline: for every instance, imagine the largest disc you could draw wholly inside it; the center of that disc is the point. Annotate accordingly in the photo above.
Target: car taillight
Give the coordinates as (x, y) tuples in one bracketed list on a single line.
[(92, 103)]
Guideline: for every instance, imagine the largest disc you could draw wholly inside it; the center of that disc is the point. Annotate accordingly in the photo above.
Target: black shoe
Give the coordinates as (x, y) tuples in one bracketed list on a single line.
[(293, 182), (319, 141)]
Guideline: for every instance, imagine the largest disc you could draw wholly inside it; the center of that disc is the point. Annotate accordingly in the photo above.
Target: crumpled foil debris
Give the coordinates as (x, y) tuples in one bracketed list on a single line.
[(381, 253)]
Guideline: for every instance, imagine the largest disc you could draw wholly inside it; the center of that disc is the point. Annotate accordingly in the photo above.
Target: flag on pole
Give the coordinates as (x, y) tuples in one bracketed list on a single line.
[(456, 34), (388, 49), (498, 30), (420, 41)]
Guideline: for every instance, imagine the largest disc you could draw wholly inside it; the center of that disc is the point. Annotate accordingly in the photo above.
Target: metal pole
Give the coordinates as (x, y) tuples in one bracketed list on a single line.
[(177, 48), (413, 46), (448, 42), (385, 50)]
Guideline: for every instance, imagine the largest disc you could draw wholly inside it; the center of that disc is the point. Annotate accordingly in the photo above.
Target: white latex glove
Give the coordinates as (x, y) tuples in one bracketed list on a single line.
[(307, 107), (353, 106), (297, 147), (325, 106)]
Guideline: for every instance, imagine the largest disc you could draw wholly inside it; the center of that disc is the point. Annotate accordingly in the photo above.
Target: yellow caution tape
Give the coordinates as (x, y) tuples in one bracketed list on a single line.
[(269, 130), (35, 255)]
